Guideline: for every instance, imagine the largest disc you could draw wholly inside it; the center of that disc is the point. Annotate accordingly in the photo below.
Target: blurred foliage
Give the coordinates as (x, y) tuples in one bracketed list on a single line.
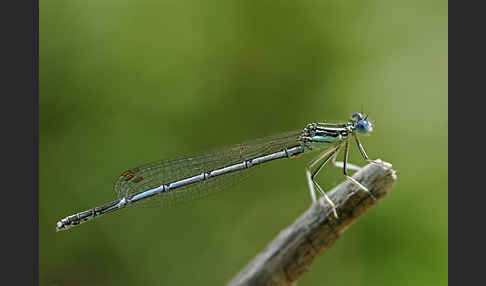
[(127, 82)]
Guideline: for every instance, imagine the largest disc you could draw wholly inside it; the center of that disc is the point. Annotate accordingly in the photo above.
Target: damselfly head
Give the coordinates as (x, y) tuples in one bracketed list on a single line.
[(361, 123), (364, 126)]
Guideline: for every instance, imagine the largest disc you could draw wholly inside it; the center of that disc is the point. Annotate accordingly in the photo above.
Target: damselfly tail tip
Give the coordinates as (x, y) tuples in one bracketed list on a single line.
[(60, 226)]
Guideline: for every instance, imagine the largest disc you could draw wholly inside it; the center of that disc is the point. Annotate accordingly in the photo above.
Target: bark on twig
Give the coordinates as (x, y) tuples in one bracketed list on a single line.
[(293, 250)]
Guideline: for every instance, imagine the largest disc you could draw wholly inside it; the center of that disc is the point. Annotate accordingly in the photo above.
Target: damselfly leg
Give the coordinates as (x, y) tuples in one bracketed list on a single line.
[(345, 171), (324, 157), (365, 156), (331, 155)]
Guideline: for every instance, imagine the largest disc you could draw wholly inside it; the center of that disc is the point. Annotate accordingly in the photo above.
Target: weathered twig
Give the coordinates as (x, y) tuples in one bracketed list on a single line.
[(294, 249)]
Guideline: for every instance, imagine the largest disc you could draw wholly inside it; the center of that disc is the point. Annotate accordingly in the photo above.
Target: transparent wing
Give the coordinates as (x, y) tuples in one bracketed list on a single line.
[(155, 174)]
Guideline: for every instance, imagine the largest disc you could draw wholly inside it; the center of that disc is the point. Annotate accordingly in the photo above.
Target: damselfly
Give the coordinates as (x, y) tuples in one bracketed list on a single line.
[(191, 177)]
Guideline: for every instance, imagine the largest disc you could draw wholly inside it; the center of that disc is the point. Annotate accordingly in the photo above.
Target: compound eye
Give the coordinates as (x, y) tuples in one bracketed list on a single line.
[(363, 126)]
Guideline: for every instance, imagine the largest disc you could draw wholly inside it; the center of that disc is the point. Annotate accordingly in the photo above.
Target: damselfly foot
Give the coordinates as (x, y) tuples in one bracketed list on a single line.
[(353, 181), (326, 198), (333, 206)]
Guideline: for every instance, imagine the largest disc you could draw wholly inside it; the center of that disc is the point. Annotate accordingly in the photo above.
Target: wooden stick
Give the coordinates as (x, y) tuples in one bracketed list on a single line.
[(293, 250)]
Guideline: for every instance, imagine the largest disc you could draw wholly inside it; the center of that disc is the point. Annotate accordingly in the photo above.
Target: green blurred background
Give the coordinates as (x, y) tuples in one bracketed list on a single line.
[(123, 83)]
